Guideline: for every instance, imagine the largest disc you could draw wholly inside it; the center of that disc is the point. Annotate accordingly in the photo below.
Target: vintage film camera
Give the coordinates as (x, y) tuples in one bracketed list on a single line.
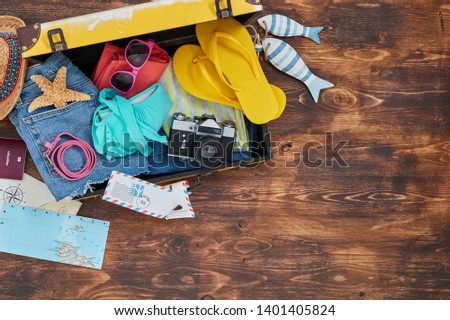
[(203, 139)]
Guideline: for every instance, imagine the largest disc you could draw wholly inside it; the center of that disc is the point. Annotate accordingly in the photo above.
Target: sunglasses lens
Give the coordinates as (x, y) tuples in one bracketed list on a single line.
[(122, 81), (137, 53)]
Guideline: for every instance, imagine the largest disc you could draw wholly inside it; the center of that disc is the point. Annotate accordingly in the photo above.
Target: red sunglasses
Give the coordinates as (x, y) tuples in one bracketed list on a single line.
[(137, 53)]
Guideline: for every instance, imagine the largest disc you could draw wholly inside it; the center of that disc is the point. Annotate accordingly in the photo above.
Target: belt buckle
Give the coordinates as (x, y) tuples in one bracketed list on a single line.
[(48, 158)]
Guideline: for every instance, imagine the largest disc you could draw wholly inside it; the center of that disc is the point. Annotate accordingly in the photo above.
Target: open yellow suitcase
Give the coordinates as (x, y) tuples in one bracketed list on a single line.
[(126, 22), (171, 23)]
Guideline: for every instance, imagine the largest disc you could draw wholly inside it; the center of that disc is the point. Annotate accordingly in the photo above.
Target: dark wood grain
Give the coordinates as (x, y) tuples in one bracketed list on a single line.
[(375, 229)]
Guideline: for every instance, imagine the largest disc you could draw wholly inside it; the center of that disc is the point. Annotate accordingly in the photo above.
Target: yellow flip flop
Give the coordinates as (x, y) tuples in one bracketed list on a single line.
[(198, 76), (228, 45)]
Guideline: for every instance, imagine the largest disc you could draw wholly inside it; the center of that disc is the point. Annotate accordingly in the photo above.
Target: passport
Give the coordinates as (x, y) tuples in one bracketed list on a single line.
[(12, 158)]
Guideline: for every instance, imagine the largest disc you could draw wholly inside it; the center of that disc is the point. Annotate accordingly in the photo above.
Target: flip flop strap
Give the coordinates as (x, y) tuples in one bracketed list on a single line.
[(205, 74), (250, 59)]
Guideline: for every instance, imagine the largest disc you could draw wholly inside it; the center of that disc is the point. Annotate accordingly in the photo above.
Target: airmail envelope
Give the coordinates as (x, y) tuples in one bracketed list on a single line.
[(139, 195), (170, 202)]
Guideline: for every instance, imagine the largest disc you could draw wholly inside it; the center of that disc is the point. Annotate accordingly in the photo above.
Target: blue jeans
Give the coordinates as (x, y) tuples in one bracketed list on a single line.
[(44, 124)]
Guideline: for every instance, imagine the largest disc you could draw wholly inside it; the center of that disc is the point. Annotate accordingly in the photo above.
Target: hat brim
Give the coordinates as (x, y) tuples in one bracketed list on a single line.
[(11, 24), (8, 104)]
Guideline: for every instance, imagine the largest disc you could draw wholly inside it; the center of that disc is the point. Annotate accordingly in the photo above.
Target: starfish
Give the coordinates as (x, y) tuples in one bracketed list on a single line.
[(55, 93)]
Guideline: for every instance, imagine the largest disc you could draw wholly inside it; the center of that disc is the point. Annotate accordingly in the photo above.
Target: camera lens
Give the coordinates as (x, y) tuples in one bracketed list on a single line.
[(209, 152)]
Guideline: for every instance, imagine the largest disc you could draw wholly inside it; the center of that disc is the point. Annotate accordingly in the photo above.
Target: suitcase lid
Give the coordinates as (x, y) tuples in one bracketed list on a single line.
[(159, 15)]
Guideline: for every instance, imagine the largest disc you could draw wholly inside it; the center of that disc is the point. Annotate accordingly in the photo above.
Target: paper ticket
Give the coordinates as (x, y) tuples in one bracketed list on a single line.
[(181, 197), (63, 206)]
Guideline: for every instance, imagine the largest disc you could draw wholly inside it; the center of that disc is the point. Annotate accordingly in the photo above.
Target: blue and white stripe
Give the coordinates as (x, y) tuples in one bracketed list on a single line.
[(286, 59), (283, 26)]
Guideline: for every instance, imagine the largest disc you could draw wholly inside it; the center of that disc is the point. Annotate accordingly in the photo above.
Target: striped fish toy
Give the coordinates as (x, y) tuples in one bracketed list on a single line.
[(286, 59), (283, 26)]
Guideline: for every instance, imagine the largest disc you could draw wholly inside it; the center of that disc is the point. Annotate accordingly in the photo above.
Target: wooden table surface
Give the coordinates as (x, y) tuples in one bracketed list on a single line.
[(375, 229)]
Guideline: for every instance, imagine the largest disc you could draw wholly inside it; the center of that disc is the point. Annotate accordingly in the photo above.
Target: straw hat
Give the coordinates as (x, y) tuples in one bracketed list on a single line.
[(12, 65)]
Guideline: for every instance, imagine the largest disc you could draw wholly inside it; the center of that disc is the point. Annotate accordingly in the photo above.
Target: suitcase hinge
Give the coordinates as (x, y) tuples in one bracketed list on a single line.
[(57, 40), (223, 13), (29, 36)]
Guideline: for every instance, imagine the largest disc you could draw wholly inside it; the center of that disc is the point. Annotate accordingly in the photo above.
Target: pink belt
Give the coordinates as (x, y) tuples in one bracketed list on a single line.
[(55, 154)]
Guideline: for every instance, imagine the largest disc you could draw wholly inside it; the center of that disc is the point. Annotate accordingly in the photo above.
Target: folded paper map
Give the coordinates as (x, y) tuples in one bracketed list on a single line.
[(53, 236)]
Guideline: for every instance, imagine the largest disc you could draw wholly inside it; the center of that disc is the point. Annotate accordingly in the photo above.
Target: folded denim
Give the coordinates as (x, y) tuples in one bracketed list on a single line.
[(55, 154), (123, 126), (45, 124)]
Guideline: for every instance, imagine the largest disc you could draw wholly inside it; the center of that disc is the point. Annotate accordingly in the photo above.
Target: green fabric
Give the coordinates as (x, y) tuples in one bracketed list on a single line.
[(123, 126)]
